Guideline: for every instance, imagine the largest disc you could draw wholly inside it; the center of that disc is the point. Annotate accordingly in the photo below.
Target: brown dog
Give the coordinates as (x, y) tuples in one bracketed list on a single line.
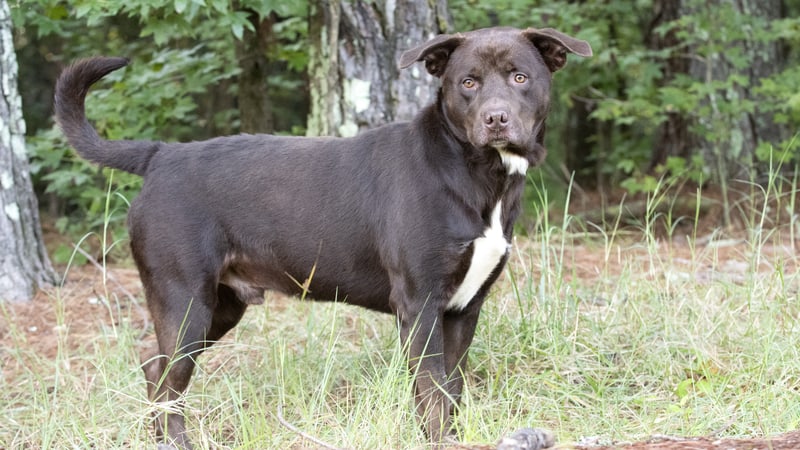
[(412, 218)]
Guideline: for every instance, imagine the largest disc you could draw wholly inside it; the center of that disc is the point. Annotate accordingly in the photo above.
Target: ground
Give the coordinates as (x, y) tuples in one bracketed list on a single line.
[(787, 441), (83, 310), (84, 286)]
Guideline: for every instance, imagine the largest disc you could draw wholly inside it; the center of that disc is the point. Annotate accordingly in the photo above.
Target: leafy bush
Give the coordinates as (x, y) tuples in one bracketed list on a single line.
[(182, 54), (625, 87)]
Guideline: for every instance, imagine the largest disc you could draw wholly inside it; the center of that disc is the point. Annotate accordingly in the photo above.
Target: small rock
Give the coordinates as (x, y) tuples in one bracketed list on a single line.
[(527, 439)]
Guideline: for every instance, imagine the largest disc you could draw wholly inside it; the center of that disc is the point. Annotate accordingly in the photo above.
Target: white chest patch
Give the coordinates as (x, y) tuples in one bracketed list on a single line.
[(513, 162), (487, 252)]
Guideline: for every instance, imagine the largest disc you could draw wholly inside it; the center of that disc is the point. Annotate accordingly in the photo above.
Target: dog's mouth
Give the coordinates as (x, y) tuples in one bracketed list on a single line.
[(510, 138), (505, 144), (498, 143), (501, 139)]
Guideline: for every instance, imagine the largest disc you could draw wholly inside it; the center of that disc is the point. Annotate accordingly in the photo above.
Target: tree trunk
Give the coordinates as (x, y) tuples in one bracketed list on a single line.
[(355, 45), (580, 139), (672, 137), (24, 265), (323, 62), (255, 112), (728, 135), (732, 150)]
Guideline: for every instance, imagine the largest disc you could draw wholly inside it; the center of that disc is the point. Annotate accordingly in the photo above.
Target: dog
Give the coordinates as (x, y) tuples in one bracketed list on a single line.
[(411, 218)]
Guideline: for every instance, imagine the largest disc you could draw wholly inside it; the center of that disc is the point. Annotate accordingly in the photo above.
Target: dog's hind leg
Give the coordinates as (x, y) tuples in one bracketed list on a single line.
[(184, 329)]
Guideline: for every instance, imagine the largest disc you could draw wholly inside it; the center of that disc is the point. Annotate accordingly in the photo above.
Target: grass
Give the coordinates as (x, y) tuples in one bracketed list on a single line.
[(608, 334)]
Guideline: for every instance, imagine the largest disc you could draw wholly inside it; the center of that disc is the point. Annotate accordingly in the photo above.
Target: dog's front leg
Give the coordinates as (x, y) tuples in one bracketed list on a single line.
[(458, 331), (421, 334)]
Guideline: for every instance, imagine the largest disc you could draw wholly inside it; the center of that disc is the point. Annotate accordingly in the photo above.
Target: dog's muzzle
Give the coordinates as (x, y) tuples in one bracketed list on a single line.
[(497, 129)]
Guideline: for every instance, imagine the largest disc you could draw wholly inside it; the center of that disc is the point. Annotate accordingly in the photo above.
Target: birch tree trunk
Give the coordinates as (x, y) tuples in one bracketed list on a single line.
[(355, 45), (24, 265)]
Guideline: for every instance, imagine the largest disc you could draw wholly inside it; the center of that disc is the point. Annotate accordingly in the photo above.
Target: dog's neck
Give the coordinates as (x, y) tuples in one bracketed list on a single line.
[(484, 177)]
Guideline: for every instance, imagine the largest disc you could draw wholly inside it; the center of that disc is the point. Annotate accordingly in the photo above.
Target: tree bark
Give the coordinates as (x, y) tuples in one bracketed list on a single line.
[(672, 137), (323, 62), (355, 81), (727, 136), (733, 155), (580, 139), (255, 111), (24, 264)]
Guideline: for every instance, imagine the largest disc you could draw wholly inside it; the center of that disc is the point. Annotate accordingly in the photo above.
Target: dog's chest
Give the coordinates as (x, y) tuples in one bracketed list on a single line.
[(487, 252)]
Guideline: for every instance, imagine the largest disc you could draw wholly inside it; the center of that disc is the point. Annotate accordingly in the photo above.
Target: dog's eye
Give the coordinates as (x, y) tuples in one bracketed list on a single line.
[(520, 78), (468, 83)]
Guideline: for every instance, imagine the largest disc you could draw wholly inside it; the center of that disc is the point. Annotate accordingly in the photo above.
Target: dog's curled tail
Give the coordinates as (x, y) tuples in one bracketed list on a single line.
[(71, 89)]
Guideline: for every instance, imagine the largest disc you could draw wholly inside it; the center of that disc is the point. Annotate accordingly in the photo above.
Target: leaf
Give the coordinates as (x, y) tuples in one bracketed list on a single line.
[(65, 254), (684, 388), (238, 30), (220, 5), (57, 12), (180, 6)]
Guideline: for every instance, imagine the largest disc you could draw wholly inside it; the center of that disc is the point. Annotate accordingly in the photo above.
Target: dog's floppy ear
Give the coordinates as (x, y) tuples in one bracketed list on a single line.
[(554, 45), (435, 53)]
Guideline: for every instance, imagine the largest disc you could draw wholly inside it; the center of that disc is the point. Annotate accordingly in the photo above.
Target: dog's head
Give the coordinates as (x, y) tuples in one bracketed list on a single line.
[(496, 84)]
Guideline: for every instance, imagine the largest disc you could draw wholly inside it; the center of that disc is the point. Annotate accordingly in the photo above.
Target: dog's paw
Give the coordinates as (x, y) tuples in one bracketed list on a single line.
[(527, 439)]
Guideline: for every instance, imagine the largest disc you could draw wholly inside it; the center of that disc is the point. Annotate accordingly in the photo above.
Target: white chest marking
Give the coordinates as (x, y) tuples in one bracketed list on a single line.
[(513, 162), (487, 252)]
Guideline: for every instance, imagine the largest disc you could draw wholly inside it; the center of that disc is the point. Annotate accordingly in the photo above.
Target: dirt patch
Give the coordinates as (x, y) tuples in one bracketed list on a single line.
[(83, 303), (786, 441)]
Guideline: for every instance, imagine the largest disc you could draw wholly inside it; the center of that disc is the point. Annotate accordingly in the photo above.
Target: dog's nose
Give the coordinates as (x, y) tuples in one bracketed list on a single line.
[(496, 120)]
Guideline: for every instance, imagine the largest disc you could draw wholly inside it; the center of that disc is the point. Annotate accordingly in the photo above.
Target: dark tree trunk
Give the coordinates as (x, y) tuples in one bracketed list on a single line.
[(24, 265), (582, 157), (767, 60), (672, 137), (733, 153), (588, 142), (355, 45), (255, 111), (727, 137)]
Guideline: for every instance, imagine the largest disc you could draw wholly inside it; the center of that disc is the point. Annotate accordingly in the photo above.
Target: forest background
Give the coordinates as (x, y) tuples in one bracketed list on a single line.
[(680, 93)]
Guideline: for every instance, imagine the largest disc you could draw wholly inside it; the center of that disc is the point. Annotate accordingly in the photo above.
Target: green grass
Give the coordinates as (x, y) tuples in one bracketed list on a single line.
[(613, 334)]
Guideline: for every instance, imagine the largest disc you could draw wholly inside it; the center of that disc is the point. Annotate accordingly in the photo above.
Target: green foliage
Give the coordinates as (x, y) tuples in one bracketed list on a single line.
[(673, 172), (115, 107), (715, 100), (782, 94), (174, 20), (625, 87), (178, 87), (181, 84)]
